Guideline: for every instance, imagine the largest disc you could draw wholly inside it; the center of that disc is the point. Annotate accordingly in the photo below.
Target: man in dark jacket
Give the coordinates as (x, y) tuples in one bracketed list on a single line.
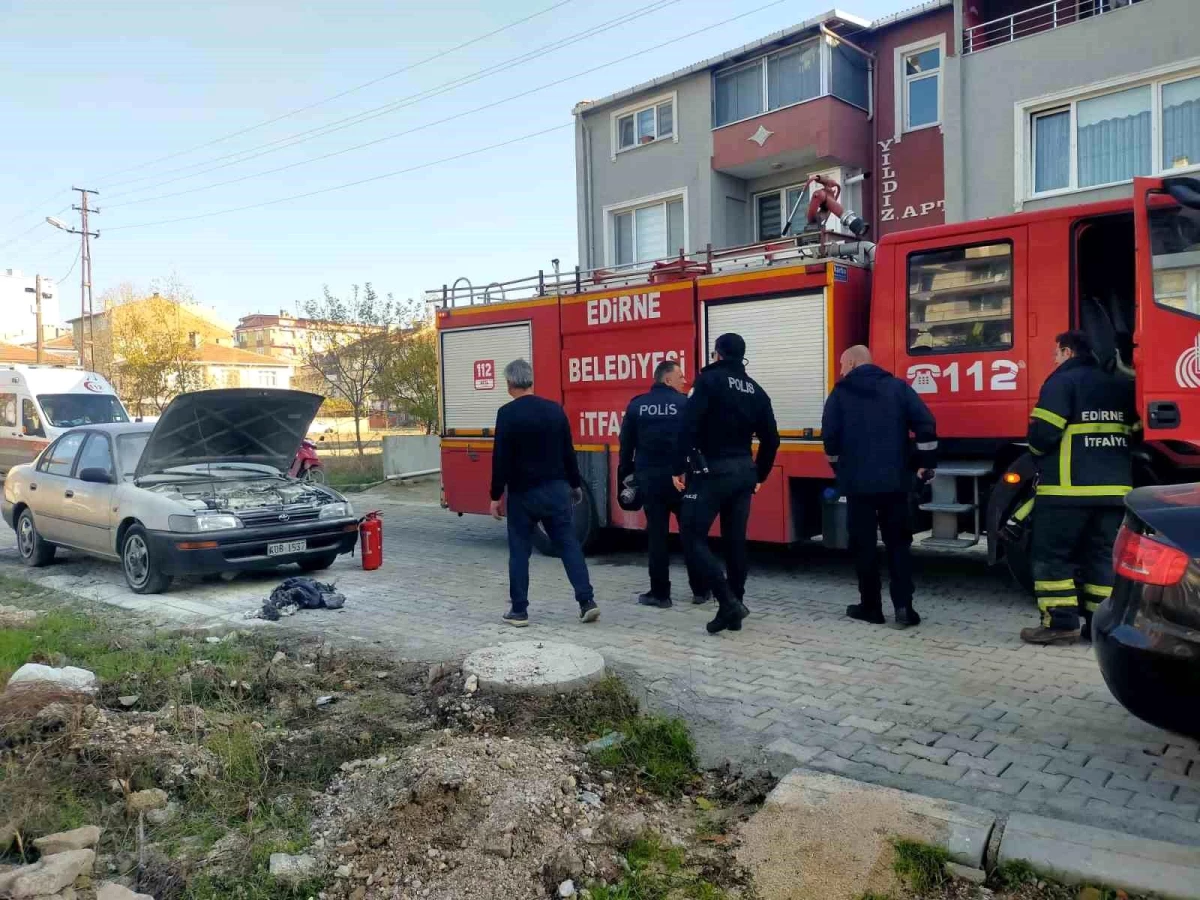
[(868, 418), (726, 410), (1080, 431), (649, 433), (533, 458)]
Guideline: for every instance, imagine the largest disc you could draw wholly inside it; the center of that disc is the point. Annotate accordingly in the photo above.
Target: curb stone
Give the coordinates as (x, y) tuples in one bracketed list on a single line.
[(1080, 853)]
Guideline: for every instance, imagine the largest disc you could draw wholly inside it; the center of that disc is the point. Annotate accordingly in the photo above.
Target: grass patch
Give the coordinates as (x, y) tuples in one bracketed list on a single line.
[(660, 751), (259, 885), (352, 470), (1013, 874), (657, 873), (921, 866)]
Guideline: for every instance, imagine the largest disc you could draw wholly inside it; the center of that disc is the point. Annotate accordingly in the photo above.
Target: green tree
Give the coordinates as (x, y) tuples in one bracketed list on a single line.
[(409, 381)]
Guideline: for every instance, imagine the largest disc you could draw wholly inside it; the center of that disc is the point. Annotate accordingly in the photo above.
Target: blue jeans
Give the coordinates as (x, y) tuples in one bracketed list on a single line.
[(549, 504)]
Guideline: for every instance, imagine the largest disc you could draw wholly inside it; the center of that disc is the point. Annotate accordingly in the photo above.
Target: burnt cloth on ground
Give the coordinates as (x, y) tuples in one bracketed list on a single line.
[(301, 593)]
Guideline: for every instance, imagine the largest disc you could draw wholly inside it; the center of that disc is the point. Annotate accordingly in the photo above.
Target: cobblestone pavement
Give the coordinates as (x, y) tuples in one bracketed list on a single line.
[(957, 708)]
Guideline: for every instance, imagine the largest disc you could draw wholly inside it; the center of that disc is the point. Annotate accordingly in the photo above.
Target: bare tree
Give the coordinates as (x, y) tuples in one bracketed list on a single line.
[(349, 343), (410, 377), (153, 358)]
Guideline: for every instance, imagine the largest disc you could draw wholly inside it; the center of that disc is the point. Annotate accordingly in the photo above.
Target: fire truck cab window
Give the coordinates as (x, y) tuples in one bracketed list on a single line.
[(1175, 255), (961, 299)]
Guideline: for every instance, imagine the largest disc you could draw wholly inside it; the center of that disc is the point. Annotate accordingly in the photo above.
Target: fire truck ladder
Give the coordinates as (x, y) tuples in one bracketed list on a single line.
[(946, 508)]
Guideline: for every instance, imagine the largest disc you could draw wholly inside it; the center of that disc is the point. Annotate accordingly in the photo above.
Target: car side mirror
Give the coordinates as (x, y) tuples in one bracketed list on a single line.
[(96, 476)]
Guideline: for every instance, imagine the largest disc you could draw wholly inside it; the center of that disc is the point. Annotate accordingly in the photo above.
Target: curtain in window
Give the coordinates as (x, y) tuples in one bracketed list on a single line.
[(1114, 137), (1181, 123), (1052, 151), (651, 231), (794, 75), (739, 94), (623, 238)]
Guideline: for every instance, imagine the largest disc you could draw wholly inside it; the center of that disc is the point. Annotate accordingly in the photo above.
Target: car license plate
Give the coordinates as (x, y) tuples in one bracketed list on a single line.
[(283, 548)]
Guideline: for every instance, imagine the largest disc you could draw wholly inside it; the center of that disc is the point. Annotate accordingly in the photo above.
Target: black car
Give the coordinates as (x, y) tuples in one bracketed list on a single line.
[(1147, 634)]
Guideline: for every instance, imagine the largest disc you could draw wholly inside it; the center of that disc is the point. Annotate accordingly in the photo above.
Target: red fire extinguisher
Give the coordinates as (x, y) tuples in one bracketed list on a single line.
[(370, 540)]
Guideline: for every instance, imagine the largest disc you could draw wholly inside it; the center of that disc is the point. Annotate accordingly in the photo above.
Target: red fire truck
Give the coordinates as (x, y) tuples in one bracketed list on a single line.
[(968, 312)]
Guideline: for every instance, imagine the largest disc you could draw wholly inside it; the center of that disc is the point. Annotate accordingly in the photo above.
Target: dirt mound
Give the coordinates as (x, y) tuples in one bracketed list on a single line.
[(468, 818)]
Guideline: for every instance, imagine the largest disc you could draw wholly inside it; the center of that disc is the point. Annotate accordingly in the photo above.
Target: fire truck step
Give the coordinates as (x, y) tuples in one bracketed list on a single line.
[(964, 468), (949, 543), (955, 508)]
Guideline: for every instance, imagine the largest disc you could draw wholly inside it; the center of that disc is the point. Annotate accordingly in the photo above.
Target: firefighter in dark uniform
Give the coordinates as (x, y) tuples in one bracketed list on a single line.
[(649, 433), (1081, 432), (726, 410)]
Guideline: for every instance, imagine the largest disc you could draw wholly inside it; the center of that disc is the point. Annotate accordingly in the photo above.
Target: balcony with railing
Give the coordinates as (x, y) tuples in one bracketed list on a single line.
[(1010, 24)]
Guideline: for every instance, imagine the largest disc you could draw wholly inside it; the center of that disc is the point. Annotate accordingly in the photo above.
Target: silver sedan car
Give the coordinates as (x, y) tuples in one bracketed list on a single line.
[(201, 491)]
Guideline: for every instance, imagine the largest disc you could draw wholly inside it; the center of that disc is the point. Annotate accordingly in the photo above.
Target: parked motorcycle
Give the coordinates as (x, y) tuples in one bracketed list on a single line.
[(307, 465)]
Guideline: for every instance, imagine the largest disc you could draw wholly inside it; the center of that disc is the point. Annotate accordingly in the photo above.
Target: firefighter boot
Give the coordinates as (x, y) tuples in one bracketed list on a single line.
[(1060, 625)]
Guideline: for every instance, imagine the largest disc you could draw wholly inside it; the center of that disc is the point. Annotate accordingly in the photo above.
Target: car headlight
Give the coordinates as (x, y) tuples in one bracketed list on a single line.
[(192, 524), (336, 511)]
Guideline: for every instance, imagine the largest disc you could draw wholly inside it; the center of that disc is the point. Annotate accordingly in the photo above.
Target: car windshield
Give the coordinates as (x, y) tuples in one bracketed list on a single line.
[(129, 451), (73, 410)]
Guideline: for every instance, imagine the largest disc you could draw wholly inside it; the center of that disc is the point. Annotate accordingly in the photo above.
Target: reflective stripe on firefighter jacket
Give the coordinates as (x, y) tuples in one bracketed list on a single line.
[(1081, 432)]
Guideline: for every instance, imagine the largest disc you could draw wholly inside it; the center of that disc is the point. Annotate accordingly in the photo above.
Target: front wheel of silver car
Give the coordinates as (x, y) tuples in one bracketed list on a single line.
[(142, 573), (35, 551)]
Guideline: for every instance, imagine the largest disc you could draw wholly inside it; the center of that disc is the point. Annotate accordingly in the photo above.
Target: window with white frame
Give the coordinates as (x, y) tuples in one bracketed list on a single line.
[(647, 231), (784, 78), (266, 378), (644, 124), (772, 208), (1111, 137), (920, 83)]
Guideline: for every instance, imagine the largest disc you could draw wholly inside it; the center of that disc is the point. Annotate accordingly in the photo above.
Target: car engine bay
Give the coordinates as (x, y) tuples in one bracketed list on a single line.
[(238, 495)]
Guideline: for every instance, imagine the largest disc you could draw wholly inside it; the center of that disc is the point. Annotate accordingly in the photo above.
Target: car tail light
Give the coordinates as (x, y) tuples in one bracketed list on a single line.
[(1140, 558)]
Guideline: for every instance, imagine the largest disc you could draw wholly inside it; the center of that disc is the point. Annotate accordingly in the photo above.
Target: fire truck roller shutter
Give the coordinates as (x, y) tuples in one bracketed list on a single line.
[(785, 351), (471, 398)]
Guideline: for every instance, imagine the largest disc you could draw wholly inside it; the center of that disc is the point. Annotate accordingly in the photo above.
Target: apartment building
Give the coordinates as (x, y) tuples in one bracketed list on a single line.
[(1064, 102), (950, 111), (289, 337), (719, 152)]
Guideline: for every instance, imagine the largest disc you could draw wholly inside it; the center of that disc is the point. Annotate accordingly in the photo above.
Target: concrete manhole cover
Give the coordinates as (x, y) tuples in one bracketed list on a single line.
[(535, 667)]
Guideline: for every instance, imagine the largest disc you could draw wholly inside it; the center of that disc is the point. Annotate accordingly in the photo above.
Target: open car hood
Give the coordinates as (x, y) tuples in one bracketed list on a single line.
[(244, 425)]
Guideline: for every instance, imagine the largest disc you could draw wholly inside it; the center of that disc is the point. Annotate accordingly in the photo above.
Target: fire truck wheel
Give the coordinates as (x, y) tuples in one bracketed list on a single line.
[(587, 528)]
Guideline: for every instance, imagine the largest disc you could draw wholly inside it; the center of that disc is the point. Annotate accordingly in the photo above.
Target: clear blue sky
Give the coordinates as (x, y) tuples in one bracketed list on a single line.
[(94, 88)]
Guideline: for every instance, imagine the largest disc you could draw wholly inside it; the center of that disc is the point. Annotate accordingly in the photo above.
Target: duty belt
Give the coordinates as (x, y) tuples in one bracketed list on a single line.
[(730, 464)]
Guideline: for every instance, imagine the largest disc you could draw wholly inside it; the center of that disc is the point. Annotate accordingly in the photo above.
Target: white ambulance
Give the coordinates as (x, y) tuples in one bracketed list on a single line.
[(38, 403)]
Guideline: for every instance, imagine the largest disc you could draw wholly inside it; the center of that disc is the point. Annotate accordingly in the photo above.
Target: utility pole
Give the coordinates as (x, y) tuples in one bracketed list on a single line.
[(37, 311)]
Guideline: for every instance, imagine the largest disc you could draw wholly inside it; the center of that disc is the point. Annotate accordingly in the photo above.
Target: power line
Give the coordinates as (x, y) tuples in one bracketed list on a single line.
[(13, 240), (468, 153), (33, 208), (241, 156), (349, 184), (338, 96), (380, 140), (72, 269)]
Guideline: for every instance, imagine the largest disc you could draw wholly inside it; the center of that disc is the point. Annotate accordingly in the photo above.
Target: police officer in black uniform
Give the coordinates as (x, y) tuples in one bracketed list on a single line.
[(727, 408), (649, 433), (1081, 432)]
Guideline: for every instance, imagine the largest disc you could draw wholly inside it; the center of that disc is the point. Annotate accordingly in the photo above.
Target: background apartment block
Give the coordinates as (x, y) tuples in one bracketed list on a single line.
[(949, 111)]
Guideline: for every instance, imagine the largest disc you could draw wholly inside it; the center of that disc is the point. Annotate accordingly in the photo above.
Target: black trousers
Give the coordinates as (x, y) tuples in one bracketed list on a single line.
[(661, 502), (1070, 540), (888, 513), (726, 493)]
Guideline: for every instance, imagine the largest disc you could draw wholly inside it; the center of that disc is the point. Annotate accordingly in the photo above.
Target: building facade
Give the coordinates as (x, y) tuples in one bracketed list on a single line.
[(953, 110), (291, 338), (720, 152), (1064, 102)]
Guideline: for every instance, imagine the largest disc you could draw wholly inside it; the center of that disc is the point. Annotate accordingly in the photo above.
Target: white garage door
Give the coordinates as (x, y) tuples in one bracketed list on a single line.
[(473, 361), (785, 347)]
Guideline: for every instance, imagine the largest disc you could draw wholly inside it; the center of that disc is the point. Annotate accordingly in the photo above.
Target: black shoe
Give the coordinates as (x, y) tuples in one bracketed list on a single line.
[(727, 619), (589, 612), (1085, 631), (743, 609), (862, 614), (651, 599), (519, 620), (700, 599), (906, 617)]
